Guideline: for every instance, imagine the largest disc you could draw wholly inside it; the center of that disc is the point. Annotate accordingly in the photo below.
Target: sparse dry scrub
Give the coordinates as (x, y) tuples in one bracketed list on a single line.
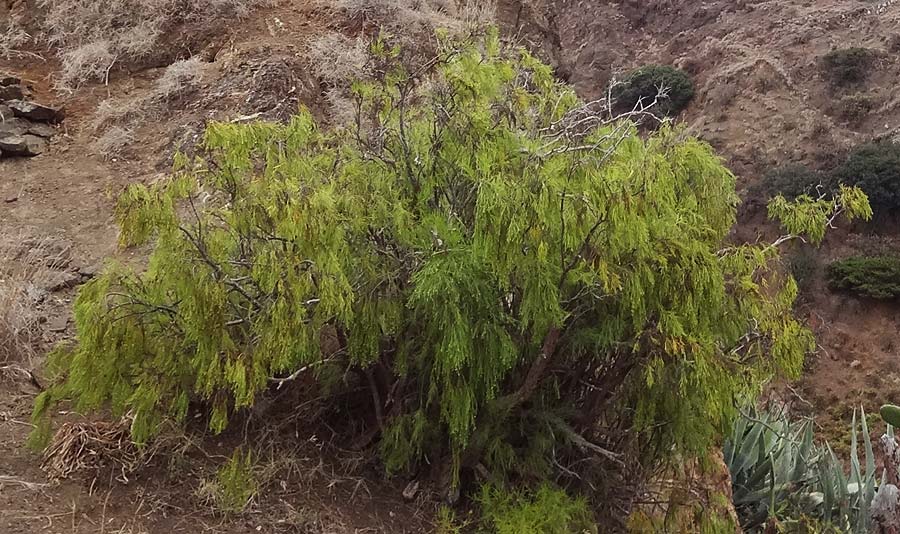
[(11, 38), (24, 265), (411, 18), (179, 78), (92, 36), (116, 119), (112, 142), (338, 60)]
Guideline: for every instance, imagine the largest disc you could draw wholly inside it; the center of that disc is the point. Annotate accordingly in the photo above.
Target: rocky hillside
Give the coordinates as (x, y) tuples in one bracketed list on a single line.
[(764, 100)]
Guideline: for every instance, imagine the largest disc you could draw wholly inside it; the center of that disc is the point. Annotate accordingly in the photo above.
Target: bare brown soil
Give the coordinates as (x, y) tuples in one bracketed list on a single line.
[(760, 102)]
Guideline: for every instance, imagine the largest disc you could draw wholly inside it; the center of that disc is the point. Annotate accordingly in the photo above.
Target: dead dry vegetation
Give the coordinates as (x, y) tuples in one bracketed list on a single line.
[(93, 36)]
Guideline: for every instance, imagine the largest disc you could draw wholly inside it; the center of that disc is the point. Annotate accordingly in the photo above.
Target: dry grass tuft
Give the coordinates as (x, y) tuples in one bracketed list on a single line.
[(11, 39), (338, 60), (179, 78), (112, 142)]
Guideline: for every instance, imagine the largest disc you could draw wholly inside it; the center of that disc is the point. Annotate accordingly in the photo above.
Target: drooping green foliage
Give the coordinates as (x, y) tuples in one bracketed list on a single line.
[(870, 276), (874, 168), (642, 86), (511, 277), (547, 510), (778, 471)]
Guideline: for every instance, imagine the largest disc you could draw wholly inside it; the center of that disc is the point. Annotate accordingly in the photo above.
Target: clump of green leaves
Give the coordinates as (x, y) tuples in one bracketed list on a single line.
[(512, 278), (875, 168), (234, 484), (642, 87), (546, 510), (847, 66), (869, 276)]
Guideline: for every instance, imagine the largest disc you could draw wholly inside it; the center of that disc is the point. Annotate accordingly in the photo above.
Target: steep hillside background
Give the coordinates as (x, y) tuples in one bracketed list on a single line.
[(761, 102)]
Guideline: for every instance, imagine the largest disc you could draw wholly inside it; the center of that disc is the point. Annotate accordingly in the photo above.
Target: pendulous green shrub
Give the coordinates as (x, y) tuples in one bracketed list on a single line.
[(874, 168), (643, 85), (875, 276), (505, 278), (847, 66)]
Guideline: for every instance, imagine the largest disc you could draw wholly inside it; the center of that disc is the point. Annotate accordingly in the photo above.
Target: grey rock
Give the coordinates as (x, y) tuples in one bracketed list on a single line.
[(34, 111), (5, 112), (13, 126), (90, 271), (22, 145), (11, 92), (58, 324), (61, 280), (16, 126), (41, 129)]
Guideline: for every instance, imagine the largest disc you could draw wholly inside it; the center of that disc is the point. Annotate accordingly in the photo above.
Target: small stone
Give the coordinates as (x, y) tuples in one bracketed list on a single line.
[(41, 129), (11, 92), (21, 145), (855, 363), (58, 324), (61, 280), (10, 200), (8, 79), (411, 489), (34, 111), (89, 271)]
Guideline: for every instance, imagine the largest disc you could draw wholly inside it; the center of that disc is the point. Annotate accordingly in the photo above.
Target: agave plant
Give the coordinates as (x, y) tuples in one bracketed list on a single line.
[(778, 471)]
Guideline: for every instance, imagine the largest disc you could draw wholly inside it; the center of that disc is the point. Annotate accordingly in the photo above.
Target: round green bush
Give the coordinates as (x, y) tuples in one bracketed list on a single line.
[(847, 66), (873, 276), (644, 84), (874, 168), (790, 181)]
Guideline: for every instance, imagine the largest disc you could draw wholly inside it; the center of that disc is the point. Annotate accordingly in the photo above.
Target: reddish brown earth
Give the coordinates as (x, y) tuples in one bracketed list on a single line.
[(760, 101)]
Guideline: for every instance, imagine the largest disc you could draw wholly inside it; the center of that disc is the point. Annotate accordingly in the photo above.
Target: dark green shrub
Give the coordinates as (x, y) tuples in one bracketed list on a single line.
[(870, 276), (847, 66), (643, 85), (874, 168), (791, 181), (804, 266)]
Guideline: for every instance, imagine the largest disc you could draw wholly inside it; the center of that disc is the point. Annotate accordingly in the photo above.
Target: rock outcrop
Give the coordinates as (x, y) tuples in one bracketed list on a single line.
[(25, 125)]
